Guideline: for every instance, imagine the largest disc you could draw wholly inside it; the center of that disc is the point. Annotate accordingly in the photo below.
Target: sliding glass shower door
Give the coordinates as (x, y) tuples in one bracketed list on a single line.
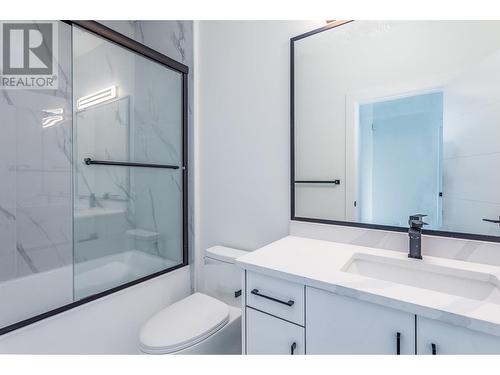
[(128, 165), (93, 196)]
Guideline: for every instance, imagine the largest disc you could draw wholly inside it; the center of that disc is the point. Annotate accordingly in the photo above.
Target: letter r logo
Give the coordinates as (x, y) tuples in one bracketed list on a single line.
[(27, 48)]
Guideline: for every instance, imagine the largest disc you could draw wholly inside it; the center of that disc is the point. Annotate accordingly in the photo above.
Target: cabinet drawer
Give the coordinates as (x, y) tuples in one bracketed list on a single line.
[(275, 296), (266, 334)]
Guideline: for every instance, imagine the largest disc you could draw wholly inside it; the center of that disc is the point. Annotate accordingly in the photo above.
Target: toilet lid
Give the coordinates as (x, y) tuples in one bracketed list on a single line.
[(183, 324)]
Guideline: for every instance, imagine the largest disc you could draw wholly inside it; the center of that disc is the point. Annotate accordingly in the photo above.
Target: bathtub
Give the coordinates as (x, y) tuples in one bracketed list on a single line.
[(35, 294), (100, 274)]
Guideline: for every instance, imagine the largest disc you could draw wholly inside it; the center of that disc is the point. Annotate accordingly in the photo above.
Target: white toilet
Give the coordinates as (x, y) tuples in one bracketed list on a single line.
[(201, 323)]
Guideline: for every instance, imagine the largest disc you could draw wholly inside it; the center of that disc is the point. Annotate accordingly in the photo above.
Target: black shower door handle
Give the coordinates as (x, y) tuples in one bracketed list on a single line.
[(89, 161)]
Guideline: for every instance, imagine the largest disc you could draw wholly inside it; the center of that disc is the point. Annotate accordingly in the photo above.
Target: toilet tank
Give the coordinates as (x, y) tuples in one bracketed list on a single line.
[(222, 278)]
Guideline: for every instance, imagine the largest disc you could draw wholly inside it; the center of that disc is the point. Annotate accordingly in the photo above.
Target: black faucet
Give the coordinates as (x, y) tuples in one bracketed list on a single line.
[(415, 234)]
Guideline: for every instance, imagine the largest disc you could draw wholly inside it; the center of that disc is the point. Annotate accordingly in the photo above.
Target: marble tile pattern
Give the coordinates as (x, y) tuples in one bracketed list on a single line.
[(174, 39), (444, 247), (319, 263), (35, 194)]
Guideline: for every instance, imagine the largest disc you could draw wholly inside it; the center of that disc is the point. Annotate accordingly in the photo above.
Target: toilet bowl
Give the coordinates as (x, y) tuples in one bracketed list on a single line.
[(202, 323)]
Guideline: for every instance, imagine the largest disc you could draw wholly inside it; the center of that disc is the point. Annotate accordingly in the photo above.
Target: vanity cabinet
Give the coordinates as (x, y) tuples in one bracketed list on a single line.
[(283, 317), (342, 325), (274, 315), (436, 337)]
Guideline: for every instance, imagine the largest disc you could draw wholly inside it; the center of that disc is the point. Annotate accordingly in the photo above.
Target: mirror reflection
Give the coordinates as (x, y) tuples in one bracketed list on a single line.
[(395, 118)]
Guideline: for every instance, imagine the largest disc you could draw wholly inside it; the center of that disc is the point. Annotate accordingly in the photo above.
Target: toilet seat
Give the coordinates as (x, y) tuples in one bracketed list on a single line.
[(183, 324)]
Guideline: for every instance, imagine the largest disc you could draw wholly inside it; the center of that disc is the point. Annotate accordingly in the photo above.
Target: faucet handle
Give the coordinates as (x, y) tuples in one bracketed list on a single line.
[(419, 223), (416, 220)]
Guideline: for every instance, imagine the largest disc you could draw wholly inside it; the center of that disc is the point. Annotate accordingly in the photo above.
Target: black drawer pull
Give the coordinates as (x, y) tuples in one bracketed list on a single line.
[(292, 348), (237, 293), (398, 343), (256, 292), (434, 351)]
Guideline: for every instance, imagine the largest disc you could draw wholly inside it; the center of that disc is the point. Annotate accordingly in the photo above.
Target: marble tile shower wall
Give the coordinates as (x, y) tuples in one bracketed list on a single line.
[(101, 133), (174, 39), (36, 190), (35, 170)]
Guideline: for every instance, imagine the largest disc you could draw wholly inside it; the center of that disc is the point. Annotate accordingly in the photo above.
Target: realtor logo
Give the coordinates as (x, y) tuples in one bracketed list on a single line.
[(29, 51)]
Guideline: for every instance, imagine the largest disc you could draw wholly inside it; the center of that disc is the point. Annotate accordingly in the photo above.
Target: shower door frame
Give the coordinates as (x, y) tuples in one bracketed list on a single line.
[(139, 48)]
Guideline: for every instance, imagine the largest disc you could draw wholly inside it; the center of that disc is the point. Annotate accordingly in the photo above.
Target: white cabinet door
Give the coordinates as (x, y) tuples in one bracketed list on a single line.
[(341, 325), (266, 334), (443, 338)]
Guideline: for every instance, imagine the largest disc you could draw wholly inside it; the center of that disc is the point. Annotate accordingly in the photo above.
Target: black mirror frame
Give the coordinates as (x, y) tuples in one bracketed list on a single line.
[(330, 26)]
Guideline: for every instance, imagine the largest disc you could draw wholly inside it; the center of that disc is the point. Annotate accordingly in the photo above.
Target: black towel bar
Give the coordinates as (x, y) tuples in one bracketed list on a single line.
[(335, 182), (89, 161)]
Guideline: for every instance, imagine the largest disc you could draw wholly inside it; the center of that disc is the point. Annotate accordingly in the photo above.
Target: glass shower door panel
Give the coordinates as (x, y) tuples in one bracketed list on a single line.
[(36, 247), (127, 219), (121, 241)]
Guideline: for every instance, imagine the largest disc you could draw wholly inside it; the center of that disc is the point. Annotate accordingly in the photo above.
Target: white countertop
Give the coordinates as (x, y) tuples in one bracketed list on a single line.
[(318, 264)]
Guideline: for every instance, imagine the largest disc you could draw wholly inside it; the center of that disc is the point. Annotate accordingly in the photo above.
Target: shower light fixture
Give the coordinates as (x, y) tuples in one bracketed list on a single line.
[(54, 116), (47, 122), (95, 98)]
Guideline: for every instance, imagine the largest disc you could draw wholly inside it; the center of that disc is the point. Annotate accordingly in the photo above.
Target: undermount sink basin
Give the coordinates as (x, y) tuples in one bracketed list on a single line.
[(455, 281)]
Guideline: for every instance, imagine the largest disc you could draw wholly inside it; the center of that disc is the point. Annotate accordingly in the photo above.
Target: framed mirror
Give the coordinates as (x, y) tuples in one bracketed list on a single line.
[(394, 118)]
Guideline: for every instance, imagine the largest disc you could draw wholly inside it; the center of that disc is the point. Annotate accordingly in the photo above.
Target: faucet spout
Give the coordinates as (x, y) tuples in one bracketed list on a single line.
[(415, 233)]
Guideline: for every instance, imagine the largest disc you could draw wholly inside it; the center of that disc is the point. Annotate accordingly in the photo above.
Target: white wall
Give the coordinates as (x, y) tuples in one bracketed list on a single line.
[(471, 158), (242, 111)]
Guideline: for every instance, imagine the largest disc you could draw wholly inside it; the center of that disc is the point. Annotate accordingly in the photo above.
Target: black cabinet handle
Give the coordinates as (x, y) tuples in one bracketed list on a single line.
[(292, 348), (434, 351), (398, 343), (237, 293), (256, 292)]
